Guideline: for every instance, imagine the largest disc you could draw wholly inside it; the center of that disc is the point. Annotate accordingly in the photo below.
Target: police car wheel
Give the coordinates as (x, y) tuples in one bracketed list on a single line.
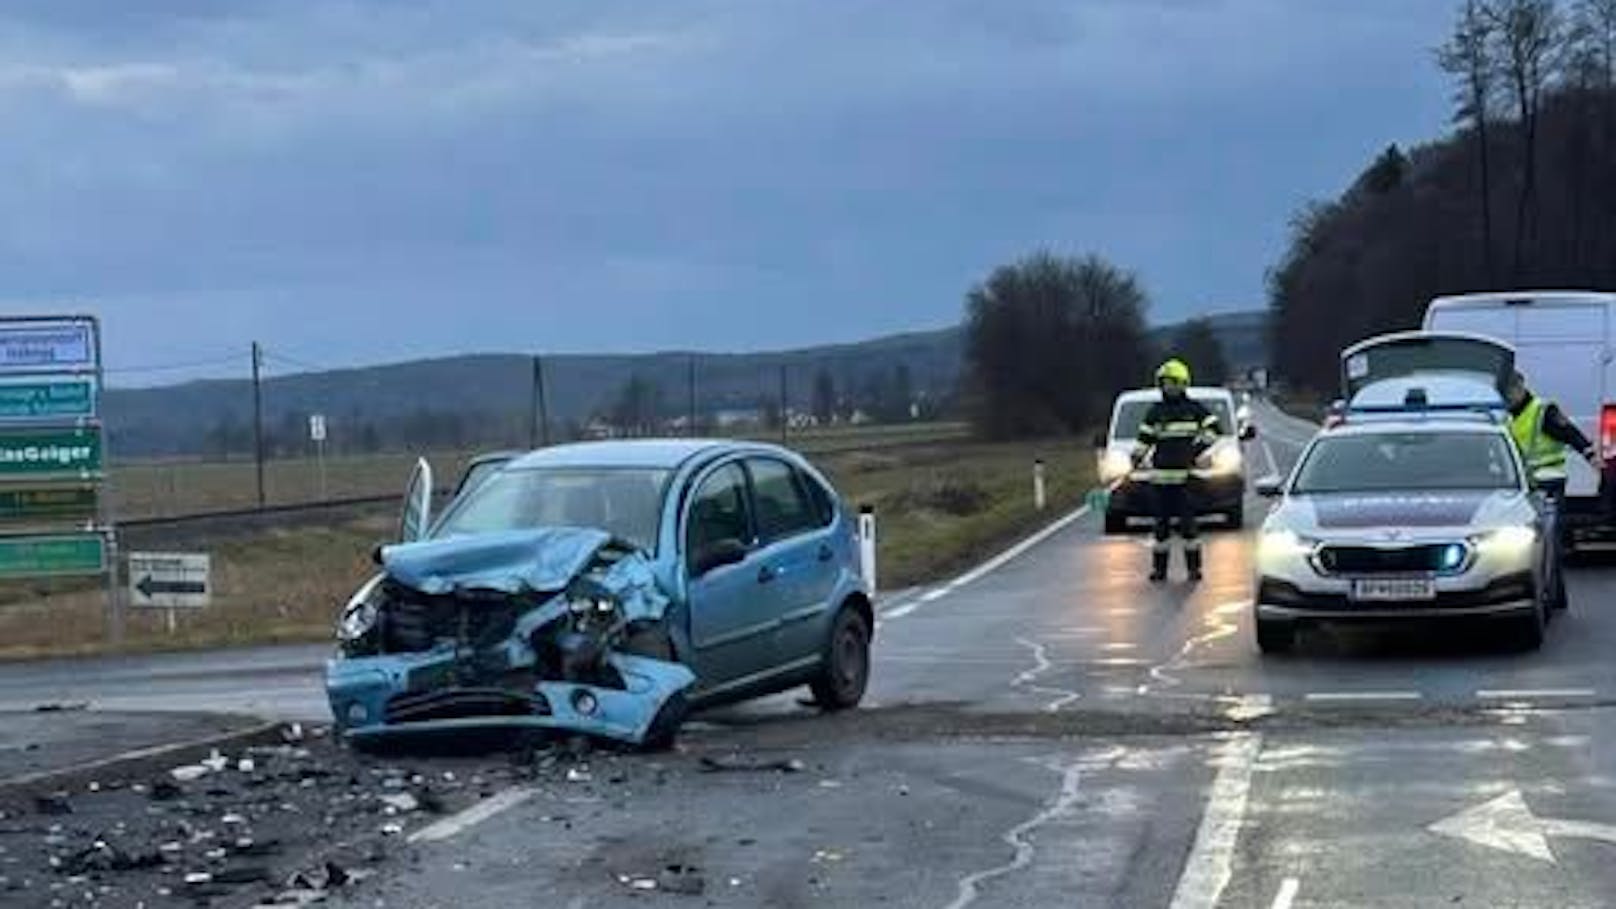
[(1527, 632), (1275, 636)]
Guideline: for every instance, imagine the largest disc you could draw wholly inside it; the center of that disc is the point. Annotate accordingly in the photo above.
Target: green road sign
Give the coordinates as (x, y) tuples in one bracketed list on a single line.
[(34, 557), (70, 503), (63, 399), (47, 452)]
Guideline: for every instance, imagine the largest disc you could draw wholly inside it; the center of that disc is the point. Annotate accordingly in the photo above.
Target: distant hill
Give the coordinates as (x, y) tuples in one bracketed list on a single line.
[(484, 398)]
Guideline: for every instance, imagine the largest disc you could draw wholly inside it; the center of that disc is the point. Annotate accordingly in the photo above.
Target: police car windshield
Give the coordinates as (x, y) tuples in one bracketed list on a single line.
[(1131, 413), (1408, 461)]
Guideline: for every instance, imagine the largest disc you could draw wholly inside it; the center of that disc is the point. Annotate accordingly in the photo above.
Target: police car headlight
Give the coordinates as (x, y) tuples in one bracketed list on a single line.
[(1284, 544), (1114, 465), (1507, 542), (359, 616)]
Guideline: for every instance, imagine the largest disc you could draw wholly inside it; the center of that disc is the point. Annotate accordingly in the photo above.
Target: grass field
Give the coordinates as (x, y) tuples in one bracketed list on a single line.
[(942, 506), (169, 488)]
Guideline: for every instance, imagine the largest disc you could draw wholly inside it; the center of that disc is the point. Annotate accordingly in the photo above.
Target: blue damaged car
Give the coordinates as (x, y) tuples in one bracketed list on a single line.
[(606, 589)]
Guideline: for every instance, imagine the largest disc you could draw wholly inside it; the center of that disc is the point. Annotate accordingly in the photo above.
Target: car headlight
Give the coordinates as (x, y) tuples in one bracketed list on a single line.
[(1509, 542), (1227, 459), (1284, 544), (359, 616), (1114, 465)]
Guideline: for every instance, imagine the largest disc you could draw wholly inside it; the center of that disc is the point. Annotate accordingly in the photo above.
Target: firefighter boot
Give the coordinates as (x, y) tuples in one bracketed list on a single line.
[(1158, 563), (1192, 559)]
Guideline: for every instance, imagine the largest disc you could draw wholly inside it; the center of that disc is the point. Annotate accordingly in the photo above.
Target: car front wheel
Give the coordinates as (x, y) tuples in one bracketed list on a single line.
[(846, 669), (1275, 636)]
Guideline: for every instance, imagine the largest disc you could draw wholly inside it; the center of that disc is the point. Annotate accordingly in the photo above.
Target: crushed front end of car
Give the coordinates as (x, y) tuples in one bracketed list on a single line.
[(551, 629)]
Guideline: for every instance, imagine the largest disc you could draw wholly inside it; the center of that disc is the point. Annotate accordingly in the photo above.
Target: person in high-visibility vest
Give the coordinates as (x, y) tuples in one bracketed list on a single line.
[(1543, 433), (1175, 433)]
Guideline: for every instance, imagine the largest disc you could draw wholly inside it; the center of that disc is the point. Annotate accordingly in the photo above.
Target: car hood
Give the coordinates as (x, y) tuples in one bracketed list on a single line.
[(1414, 514), (544, 560)]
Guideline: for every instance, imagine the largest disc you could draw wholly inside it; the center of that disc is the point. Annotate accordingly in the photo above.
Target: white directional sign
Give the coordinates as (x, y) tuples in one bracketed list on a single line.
[(47, 345), (1508, 825), (170, 580), (317, 427)]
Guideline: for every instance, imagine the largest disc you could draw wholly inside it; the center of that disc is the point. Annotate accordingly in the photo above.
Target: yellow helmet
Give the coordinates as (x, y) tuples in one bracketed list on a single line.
[(1174, 370)]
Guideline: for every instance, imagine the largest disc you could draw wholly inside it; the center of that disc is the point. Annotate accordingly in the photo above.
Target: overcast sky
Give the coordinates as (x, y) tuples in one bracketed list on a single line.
[(367, 180)]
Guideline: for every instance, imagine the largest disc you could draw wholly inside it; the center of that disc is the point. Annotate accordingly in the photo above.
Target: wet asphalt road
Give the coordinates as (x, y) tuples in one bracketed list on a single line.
[(1055, 731)]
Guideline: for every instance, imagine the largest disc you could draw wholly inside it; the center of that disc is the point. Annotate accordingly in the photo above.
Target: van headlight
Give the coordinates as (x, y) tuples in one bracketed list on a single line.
[(1114, 465), (1227, 459), (1507, 542), (360, 615)]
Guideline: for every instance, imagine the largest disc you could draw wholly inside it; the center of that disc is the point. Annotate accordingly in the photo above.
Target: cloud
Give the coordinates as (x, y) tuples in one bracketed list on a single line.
[(708, 173)]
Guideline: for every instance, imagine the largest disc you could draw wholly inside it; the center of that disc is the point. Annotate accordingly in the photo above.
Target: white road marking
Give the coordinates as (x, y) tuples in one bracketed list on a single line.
[(1528, 693), (900, 611), (1363, 696), (471, 817), (1211, 861), (1288, 889), (1015, 838)]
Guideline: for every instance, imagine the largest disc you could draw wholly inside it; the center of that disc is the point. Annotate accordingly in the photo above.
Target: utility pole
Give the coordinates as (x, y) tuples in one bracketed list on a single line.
[(258, 416), (541, 399), (785, 416), (692, 391)]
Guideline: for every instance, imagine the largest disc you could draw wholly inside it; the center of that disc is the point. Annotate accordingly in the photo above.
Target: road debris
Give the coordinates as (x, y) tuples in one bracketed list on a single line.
[(67, 707), (736, 764)]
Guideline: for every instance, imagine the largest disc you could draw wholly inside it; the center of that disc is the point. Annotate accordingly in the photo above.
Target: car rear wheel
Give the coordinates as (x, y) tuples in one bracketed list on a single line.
[(1115, 523), (1276, 636), (846, 669)]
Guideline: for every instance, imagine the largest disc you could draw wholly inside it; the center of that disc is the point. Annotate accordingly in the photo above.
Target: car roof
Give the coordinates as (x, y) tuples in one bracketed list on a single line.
[(663, 454), (1388, 424), (1195, 391), (1493, 298)]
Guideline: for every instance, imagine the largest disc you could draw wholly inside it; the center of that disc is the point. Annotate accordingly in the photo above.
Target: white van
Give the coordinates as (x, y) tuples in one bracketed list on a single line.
[(1564, 344)]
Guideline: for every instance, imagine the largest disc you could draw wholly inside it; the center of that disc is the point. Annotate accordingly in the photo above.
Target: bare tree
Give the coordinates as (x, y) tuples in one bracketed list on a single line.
[(1529, 37), (1596, 24), (1467, 56)]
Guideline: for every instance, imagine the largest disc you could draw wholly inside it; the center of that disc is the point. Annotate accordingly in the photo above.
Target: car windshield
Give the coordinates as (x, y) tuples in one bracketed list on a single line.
[(626, 502), (1408, 461), (1131, 413)]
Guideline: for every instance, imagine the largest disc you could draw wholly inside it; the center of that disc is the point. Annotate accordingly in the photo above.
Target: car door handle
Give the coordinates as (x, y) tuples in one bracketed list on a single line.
[(767, 574)]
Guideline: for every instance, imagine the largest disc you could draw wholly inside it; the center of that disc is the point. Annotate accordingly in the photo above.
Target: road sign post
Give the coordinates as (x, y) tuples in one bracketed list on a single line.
[(317, 432), (53, 520)]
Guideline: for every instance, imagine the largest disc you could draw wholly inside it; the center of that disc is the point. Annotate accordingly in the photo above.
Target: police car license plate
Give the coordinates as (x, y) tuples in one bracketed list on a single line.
[(1393, 590)]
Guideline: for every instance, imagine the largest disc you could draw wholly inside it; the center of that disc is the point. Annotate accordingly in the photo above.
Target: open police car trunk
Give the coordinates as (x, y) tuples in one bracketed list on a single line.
[(1425, 370)]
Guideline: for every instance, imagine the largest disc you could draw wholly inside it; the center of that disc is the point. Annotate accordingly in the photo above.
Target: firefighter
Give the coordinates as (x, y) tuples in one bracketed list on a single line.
[(1175, 433)]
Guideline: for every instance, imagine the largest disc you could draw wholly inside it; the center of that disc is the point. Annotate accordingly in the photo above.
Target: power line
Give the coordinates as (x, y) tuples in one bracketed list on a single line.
[(233, 359)]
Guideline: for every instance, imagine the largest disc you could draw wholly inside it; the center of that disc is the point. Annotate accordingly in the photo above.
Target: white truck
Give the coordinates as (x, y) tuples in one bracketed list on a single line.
[(1565, 342)]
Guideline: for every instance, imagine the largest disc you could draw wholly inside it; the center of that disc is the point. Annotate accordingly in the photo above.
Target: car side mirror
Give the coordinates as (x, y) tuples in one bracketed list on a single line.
[(717, 554), (1248, 432), (1270, 487)]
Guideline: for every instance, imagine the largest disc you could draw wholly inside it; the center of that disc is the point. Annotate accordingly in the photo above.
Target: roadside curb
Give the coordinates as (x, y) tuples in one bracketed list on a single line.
[(17, 791)]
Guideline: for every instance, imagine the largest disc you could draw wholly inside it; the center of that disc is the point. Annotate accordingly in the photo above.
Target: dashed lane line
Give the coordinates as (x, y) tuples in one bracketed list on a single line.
[(1286, 896), (1363, 696), (1493, 694), (456, 824), (1211, 861)]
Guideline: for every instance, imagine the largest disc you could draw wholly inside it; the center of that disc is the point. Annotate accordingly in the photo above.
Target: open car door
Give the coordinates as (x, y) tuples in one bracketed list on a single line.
[(1426, 353), (416, 518)]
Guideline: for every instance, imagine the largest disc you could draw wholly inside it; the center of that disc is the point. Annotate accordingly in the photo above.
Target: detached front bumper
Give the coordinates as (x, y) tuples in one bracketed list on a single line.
[(399, 696), (1504, 597), (1209, 494)]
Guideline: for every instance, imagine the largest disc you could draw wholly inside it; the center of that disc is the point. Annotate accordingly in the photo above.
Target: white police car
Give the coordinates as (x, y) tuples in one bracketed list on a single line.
[(1414, 505)]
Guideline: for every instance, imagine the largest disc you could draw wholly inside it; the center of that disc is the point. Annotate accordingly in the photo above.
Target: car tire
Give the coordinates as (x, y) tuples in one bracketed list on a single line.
[(1527, 633), (1116, 523), (845, 670), (664, 729), (1559, 599), (1276, 636), (1237, 517)]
